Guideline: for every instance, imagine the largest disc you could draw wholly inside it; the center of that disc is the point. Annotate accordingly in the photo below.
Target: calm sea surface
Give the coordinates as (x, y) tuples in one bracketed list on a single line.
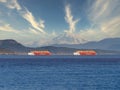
[(59, 73)]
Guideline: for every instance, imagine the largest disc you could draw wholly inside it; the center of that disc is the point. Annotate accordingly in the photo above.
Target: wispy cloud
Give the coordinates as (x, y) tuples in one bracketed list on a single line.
[(69, 19), (111, 27), (104, 15), (103, 10), (27, 15), (30, 35), (54, 34), (12, 4), (35, 30), (105, 19), (3, 1), (7, 28), (98, 9)]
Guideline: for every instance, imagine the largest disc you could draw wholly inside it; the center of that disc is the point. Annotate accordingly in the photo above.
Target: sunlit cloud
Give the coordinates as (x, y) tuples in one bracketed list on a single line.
[(69, 19), (105, 19), (33, 31), (30, 35), (27, 15), (7, 28), (99, 9), (3, 1), (53, 34), (11, 4), (111, 27), (103, 16)]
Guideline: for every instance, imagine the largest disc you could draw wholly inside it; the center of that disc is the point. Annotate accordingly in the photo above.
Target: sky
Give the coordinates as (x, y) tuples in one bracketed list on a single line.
[(37, 22)]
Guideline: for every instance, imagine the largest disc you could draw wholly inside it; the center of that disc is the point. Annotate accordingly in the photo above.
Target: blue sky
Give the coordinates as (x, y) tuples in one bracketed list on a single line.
[(37, 22)]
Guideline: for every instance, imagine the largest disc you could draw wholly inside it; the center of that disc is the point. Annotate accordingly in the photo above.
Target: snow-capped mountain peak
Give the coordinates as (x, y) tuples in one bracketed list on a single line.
[(68, 38)]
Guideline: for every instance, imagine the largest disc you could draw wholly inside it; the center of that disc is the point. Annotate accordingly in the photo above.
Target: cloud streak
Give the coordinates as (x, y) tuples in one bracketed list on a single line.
[(103, 15), (35, 30), (69, 19), (3, 1), (103, 10), (25, 14), (28, 16), (7, 28), (105, 19), (11, 4), (30, 35)]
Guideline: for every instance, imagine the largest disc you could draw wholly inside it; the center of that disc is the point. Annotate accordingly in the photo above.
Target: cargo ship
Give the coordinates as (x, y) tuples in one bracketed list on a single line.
[(40, 53), (85, 52)]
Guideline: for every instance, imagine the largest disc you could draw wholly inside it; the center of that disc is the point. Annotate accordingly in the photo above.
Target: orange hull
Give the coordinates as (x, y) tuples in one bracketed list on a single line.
[(89, 52), (41, 53)]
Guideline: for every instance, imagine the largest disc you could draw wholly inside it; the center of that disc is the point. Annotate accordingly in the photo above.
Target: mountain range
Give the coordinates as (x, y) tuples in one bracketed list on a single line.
[(68, 38), (106, 46)]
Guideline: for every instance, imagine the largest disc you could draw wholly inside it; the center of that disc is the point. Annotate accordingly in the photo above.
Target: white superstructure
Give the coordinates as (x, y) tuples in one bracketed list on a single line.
[(30, 53), (76, 53)]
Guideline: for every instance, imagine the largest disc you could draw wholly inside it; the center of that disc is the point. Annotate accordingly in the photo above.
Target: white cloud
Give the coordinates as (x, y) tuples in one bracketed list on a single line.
[(98, 9), (39, 26), (104, 15), (3, 1), (7, 28), (103, 10), (12, 4), (33, 33), (53, 34), (69, 19), (111, 27), (27, 37)]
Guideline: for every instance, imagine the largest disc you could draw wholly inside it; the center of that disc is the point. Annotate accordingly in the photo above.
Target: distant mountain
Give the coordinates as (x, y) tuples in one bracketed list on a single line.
[(67, 38), (10, 46), (106, 44)]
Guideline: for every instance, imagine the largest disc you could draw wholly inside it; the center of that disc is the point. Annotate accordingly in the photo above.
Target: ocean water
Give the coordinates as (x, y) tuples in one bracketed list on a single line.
[(60, 73)]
